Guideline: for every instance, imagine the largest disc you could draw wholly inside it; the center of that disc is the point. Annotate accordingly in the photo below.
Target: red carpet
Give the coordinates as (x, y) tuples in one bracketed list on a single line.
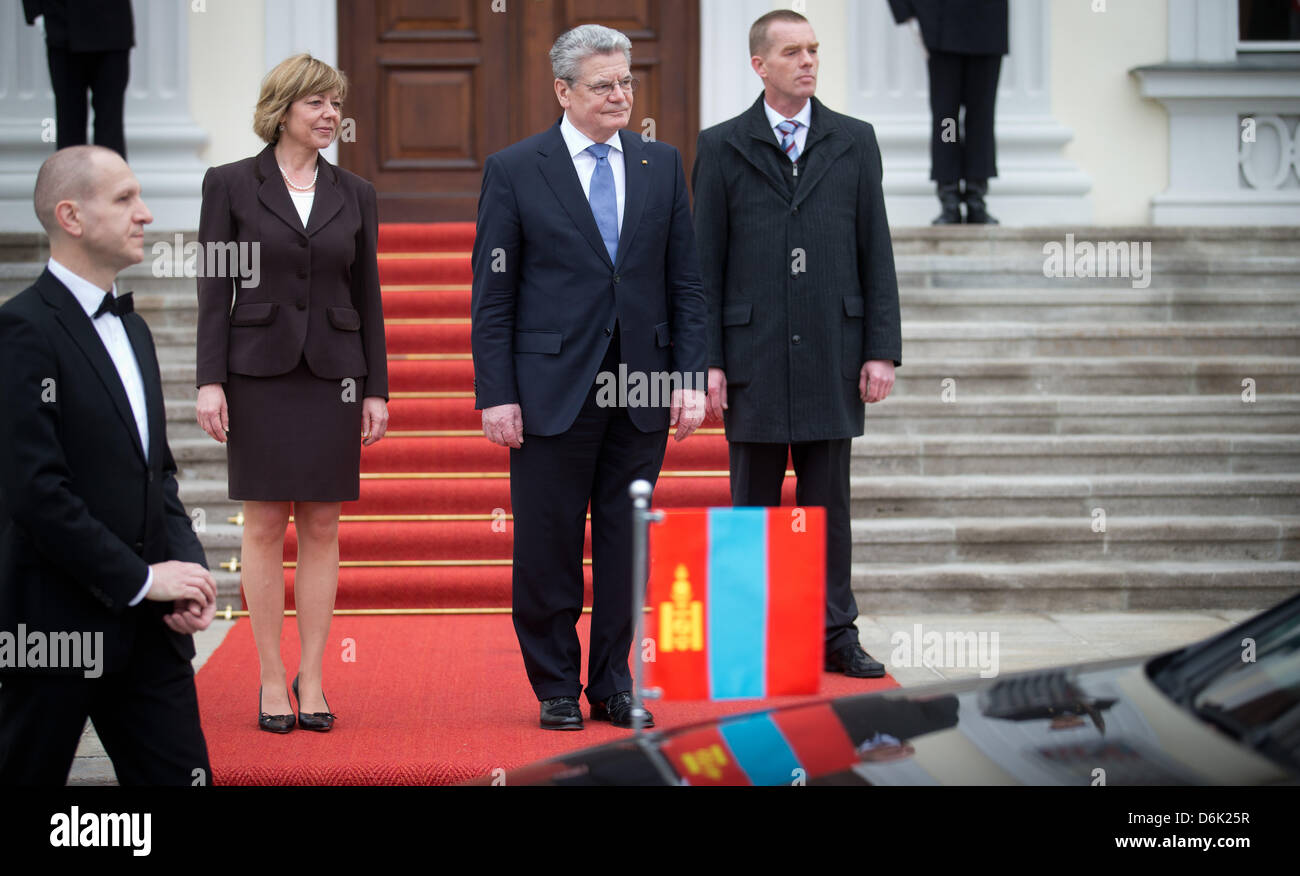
[(432, 528), (430, 700)]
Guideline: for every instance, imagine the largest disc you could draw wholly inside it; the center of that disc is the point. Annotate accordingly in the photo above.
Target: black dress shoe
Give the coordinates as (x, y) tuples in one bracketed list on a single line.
[(561, 713), (950, 204), (321, 722), (976, 212), (272, 723), (617, 710), (854, 662)]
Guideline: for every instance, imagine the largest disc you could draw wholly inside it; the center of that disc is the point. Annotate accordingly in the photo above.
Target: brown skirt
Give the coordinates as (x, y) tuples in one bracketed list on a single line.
[(294, 437)]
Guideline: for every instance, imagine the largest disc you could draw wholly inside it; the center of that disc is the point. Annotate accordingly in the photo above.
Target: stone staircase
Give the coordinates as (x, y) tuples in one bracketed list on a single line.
[(1051, 444)]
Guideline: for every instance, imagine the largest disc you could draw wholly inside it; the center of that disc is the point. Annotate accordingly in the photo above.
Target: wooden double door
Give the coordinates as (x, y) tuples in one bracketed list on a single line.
[(435, 86)]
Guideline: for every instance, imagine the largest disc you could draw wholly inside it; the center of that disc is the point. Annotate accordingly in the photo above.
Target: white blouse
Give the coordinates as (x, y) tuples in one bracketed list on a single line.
[(302, 201)]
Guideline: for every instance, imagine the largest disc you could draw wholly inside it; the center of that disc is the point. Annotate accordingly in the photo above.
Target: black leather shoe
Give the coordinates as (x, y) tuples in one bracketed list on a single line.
[(272, 723), (321, 722), (950, 204), (617, 710), (854, 662), (976, 212), (561, 713)]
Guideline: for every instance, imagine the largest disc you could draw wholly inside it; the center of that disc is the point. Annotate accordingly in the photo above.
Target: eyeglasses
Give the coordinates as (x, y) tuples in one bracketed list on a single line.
[(603, 89)]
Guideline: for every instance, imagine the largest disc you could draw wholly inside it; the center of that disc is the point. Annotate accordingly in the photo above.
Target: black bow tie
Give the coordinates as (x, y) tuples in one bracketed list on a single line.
[(119, 306)]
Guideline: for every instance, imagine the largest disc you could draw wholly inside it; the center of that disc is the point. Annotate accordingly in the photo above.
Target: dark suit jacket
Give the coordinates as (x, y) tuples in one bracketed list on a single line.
[(542, 325), (82, 512), (318, 294), (801, 287), (961, 27), (84, 25)]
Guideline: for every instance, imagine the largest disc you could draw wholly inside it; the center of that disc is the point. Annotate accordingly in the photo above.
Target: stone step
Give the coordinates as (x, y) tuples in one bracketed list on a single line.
[(1030, 376), (1028, 268), (1125, 495), (1078, 585), (892, 454), (1093, 376), (1008, 340), (939, 540), (1103, 414), (1066, 305), (1220, 243), (935, 340), (1075, 454), (168, 303)]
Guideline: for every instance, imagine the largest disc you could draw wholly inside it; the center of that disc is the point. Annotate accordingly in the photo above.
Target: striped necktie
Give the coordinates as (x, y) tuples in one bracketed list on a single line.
[(788, 143)]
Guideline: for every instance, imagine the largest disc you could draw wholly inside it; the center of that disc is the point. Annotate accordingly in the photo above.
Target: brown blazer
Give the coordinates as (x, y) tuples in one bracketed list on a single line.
[(318, 290)]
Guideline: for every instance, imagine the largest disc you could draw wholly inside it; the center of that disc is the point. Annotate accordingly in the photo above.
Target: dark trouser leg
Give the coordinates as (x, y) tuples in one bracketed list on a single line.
[(979, 91), (108, 98), (822, 471), (945, 104), (757, 472), (69, 80), (626, 454), (148, 716), (41, 720), (550, 484)]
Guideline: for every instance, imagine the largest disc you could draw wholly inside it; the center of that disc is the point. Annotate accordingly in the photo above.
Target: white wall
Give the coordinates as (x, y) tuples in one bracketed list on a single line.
[(226, 70), (1121, 140)]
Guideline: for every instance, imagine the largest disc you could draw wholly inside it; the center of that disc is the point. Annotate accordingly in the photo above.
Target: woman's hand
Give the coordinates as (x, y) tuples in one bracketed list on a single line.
[(214, 417), (374, 419)]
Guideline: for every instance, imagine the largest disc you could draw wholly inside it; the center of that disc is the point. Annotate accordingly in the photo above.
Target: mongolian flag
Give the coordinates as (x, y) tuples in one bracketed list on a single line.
[(783, 747), (738, 602)]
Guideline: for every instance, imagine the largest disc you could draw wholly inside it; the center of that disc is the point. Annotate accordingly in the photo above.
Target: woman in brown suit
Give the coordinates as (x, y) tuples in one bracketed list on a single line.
[(293, 377)]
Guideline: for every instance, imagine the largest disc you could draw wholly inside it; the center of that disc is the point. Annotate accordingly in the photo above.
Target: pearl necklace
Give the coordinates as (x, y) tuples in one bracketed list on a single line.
[(294, 185)]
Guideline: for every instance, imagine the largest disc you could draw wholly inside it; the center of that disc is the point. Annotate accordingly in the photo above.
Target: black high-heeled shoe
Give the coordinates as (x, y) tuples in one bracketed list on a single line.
[(272, 723), (321, 722)]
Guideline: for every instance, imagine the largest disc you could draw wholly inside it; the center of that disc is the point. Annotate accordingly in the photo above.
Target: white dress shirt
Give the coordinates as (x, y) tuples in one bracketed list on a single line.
[(803, 117), (113, 334), (585, 163)]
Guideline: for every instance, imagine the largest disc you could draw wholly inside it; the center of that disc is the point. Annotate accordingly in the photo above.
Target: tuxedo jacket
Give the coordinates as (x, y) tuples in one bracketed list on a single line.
[(318, 291), (546, 295), (84, 25), (83, 513)]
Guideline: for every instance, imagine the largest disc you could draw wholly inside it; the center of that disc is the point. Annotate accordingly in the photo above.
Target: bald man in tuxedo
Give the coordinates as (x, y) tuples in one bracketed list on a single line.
[(94, 541)]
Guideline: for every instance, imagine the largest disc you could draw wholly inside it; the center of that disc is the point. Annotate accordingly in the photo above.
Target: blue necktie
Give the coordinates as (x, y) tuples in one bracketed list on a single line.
[(604, 201)]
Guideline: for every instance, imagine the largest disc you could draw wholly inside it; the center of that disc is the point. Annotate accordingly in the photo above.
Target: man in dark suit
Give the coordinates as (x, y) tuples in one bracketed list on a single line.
[(965, 41), (88, 45), (584, 262), (94, 542), (798, 271)]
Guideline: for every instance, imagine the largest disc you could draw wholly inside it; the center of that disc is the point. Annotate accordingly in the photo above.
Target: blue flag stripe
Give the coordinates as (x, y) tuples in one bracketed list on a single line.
[(761, 750), (737, 615)]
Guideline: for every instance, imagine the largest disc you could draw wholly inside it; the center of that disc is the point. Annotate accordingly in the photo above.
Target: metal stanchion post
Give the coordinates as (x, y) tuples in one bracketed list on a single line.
[(642, 517)]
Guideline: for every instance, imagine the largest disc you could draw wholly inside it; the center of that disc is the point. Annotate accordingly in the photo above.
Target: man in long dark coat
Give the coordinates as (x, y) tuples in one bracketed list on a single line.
[(798, 270)]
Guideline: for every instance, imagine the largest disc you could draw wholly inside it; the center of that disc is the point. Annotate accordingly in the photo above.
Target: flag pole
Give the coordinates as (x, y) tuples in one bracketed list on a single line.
[(642, 517)]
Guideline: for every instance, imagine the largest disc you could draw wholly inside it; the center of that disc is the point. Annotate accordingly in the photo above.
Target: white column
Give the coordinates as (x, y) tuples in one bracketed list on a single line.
[(26, 116), (1035, 185), (294, 26), (162, 140), (727, 83)]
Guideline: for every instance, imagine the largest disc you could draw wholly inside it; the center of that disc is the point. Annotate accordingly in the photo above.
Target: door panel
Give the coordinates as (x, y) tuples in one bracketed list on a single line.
[(435, 86)]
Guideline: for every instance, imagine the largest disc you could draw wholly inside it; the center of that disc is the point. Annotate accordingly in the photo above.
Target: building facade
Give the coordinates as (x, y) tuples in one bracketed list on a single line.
[(1109, 112)]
